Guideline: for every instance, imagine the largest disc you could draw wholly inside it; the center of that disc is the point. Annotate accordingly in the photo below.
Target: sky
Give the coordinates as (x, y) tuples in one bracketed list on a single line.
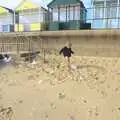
[(12, 4)]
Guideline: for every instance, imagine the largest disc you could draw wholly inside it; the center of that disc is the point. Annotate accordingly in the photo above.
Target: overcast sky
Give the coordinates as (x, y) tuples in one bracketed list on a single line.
[(13, 3)]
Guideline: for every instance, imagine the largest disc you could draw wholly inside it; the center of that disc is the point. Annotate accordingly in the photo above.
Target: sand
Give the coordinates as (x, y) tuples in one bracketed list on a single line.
[(90, 90)]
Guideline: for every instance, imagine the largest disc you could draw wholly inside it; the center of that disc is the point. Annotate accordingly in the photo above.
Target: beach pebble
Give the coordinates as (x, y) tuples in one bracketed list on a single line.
[(61, 95)]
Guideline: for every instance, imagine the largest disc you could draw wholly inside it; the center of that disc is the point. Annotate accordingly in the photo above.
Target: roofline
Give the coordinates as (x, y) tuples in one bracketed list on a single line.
[(20, 4), (10, 10), (44, 8), (17, 11), (50, 3), (82, 4), (79, 1)]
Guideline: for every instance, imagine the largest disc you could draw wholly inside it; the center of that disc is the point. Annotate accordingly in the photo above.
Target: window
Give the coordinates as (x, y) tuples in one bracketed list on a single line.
[(77, 13), (6, 19), (55, 15), (99, 12), (98, 24), (71, 13), (112, 23), (62, 14), (113, 11)]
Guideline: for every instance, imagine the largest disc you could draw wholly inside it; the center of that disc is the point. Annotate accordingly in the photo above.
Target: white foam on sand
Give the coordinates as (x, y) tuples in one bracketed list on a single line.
[(6, 60)]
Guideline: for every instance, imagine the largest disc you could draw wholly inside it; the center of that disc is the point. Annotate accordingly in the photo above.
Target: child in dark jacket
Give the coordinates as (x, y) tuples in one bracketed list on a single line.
[(66, 52)]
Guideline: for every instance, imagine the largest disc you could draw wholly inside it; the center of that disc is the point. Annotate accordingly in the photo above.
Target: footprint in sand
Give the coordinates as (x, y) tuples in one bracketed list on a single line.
[(44, 116), (116, 113), (52, 105), (117, 90), (1, 96), (6, 113), (0, 93), (93, 113), (102, 91), (71, 117), (61, 95)]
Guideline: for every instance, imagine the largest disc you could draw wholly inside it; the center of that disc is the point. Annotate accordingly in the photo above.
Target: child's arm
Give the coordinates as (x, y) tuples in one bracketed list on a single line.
[(61, 51), (71, 51)]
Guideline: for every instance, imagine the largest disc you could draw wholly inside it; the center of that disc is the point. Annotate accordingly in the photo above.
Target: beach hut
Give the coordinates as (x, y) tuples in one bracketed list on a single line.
[(66, 14), (6, 19), (31, 16), (106, 14)]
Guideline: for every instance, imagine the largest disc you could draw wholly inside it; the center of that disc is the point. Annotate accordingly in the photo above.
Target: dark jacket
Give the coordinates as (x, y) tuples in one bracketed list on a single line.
[(66, 52)]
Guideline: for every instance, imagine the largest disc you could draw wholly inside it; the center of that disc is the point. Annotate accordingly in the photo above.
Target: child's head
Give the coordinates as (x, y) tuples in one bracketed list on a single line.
[(68, 44), (65, 46)]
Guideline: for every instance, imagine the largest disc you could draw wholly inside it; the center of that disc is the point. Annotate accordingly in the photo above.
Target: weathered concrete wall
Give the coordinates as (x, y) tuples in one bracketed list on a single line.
[(88, 46), (88, 43), (85, 42)]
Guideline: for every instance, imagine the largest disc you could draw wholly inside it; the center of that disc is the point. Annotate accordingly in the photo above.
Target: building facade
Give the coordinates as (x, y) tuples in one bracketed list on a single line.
[(6, 19), (106, 13), (30, 16), (66, 14)]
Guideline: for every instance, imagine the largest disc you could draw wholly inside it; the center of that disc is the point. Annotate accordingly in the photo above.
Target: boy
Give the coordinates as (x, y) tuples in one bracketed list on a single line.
[(66, 53)]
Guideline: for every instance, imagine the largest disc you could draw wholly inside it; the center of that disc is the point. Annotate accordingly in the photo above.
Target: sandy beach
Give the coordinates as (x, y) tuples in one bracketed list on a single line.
[(90, 90)]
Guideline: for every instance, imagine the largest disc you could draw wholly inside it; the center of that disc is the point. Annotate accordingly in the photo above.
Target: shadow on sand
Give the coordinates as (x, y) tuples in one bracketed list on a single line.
[(91, 66), (5, 65)]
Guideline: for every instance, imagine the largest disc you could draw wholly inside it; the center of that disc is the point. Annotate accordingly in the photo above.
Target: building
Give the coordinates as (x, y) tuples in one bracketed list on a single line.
[(106, 13), (30, 16), (67, 14), (6, 19)]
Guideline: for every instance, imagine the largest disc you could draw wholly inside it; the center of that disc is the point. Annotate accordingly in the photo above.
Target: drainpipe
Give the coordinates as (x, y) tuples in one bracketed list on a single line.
[(69, 12), (69, 15), (49, 13), (58, 14), (66, 13), (59, 17), (105, 15), (39, 19), (93, 13), (118, 3), (14, 20), (80, 19), (73, 12)]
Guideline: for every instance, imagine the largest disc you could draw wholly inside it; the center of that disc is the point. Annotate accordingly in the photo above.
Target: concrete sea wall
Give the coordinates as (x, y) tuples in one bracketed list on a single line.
[(104, 43)]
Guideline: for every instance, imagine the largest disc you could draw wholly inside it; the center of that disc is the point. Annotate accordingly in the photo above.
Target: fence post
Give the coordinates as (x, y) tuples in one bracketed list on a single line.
[(17, 41), (29, 48)]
